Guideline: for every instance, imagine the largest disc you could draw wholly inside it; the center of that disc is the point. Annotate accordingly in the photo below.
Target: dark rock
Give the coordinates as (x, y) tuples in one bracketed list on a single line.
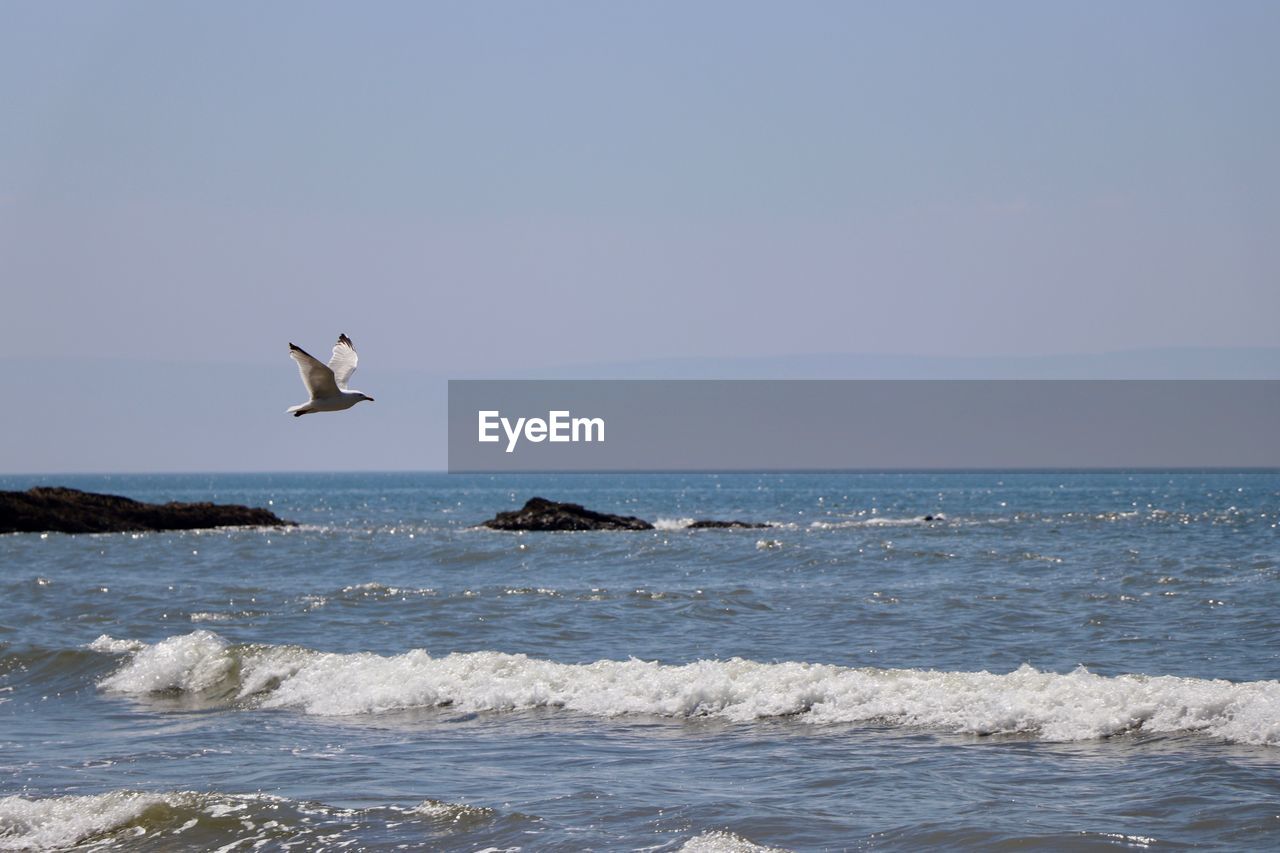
[(542, 514), (62, 510), (734, 525)]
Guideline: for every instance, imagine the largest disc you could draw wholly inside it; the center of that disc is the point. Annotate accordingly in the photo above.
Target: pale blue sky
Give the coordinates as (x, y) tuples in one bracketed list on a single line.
[(493, 188)]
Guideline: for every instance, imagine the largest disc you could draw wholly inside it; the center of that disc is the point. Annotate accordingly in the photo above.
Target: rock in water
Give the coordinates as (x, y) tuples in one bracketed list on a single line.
[(62, 510), (542, 514)]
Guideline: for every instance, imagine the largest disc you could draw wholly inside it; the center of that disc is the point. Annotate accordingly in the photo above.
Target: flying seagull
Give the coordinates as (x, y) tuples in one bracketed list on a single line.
[(327, 385)]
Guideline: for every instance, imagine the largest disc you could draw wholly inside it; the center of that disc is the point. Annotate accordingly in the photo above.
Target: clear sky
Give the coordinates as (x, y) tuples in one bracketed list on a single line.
[(493, 187)]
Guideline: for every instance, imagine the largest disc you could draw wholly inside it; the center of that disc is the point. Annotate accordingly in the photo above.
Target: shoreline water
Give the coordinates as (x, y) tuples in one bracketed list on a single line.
[(1059, 660)]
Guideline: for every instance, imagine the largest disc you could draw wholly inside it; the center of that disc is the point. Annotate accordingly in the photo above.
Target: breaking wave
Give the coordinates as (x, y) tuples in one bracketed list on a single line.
[(879, 521), (1079, 705), (723, 841), (34, 824), (196, 820)]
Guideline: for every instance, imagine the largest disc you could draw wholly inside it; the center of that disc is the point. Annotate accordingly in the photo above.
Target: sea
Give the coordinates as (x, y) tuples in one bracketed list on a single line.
[(983, 660)]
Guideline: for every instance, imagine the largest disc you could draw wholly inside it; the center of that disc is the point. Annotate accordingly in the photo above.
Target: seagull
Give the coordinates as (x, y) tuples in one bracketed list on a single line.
[(327, 385)]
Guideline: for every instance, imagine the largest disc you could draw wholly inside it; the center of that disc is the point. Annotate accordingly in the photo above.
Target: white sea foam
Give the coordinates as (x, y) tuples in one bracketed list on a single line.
[(877, 521), (210, 616), (110, 645), (672, 523), (190, 663), (249, 821), (373, 589), (371, 585), (1061, 707), (451, 812), (57, 822), (721, 841)]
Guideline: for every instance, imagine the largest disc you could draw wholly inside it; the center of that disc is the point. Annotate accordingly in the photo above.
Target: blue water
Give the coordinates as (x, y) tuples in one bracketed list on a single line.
[(1055, 660)]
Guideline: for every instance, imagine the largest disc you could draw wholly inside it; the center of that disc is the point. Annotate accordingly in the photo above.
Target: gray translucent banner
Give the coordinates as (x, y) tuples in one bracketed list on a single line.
[(736, 425)]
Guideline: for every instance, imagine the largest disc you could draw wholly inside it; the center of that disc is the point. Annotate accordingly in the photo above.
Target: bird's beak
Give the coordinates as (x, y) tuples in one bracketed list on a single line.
[(367, 397)]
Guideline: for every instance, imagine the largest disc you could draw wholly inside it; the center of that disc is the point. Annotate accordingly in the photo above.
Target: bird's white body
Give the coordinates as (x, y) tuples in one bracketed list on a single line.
[(344, 400), (327, 384)]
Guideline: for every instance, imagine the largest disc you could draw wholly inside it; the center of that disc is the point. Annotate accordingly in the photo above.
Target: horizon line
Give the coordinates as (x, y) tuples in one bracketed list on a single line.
[(1051, 469)]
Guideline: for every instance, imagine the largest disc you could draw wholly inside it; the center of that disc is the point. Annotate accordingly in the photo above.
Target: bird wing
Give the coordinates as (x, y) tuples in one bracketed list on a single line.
[(318, 378), (344, 361)]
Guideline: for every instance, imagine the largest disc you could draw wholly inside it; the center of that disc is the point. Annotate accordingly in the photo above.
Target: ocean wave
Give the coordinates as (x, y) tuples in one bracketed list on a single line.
[(1011, 517), (40, 824), (670, 524), (54, 669), (723, 841), (1078, 705), (197, 820), (375, 590), (884, 521)]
